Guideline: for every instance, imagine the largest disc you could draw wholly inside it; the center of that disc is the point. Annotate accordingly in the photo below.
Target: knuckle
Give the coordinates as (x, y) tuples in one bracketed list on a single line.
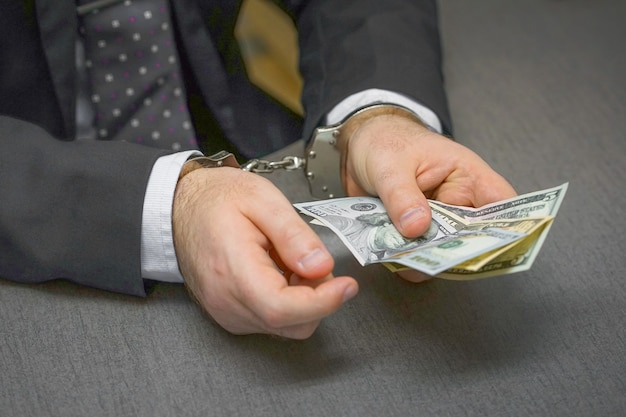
[(384, 175), (293, 232), (274, 317), (400, 194), (300, 332), (305, 331)]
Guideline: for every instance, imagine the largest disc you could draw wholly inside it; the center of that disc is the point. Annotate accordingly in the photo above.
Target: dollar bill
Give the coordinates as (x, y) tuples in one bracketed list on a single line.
[(448, 251), (519, 256), (495, 239), (531, 227), (363, 225), (535, 204)]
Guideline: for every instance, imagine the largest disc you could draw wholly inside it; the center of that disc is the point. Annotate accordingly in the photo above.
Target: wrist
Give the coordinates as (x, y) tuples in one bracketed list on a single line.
[(327, 151)]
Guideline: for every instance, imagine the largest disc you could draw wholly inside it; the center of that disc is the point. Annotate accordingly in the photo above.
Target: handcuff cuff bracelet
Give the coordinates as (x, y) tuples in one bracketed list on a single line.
[(322, 163)]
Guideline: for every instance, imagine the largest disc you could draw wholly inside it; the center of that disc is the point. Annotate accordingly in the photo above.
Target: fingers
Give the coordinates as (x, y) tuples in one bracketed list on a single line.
[(473, 184), (297, 245), (493, 188), (279, 306), (406, 205), (313, 293), (290, 307), (234, 231)]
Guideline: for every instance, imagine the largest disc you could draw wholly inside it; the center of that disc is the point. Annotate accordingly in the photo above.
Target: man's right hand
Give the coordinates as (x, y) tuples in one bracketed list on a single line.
[(231, 228)]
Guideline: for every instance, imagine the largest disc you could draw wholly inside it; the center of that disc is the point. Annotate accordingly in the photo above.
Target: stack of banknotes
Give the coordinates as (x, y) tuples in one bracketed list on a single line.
[(462, 243)]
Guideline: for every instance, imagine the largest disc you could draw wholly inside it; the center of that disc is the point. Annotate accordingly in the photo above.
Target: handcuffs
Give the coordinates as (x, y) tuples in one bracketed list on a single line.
[(322, 162)]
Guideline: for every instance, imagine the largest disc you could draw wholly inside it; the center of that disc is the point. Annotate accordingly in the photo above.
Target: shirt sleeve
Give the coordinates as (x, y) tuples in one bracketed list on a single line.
[(374, 96), (158, 257)]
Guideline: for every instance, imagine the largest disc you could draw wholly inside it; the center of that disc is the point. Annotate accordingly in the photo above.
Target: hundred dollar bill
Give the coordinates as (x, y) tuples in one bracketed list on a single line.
[(363, 225), (498, 238)]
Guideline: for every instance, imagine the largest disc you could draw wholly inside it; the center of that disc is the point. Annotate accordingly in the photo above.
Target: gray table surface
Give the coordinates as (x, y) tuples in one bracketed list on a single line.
[(537, 88)]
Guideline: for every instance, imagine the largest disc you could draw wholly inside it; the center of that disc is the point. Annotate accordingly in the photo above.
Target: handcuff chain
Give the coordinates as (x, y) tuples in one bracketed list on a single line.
[(263, 166)]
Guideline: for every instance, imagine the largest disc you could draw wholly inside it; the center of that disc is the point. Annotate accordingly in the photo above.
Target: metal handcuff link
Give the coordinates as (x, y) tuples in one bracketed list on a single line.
[(322, 161)]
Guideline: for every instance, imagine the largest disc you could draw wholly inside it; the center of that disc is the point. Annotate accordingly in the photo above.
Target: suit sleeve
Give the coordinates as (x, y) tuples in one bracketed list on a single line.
[(71, 210), (392, 45)]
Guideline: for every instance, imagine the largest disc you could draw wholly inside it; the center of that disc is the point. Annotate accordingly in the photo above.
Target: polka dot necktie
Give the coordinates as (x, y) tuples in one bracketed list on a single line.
[(136, 85)]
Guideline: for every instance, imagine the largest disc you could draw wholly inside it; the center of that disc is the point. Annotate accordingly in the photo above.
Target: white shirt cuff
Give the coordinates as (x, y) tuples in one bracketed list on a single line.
[(374, 96), (158, 257)]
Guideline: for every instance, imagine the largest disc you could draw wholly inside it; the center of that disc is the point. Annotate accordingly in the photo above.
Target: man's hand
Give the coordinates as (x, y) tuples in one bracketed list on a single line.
[(231, 231), (404, 163)]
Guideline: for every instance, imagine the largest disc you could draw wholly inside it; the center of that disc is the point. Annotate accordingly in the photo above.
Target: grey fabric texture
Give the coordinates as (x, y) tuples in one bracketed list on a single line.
[(537, 88)]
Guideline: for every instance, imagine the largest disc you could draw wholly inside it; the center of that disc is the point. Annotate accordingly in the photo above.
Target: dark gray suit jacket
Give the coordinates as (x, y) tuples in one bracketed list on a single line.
[(72, 209)]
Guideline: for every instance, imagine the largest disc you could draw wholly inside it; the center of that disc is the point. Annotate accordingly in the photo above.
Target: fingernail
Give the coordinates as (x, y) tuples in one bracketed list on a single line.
[(411, 216), (313, 259), (349, 292)]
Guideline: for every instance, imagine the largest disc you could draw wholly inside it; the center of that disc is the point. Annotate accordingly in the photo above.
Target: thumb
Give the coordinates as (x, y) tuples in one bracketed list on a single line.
[(406, 205)]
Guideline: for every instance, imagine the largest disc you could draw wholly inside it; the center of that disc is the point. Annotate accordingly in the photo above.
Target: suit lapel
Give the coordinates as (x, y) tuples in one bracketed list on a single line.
[(58, 26), (204, 59)]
